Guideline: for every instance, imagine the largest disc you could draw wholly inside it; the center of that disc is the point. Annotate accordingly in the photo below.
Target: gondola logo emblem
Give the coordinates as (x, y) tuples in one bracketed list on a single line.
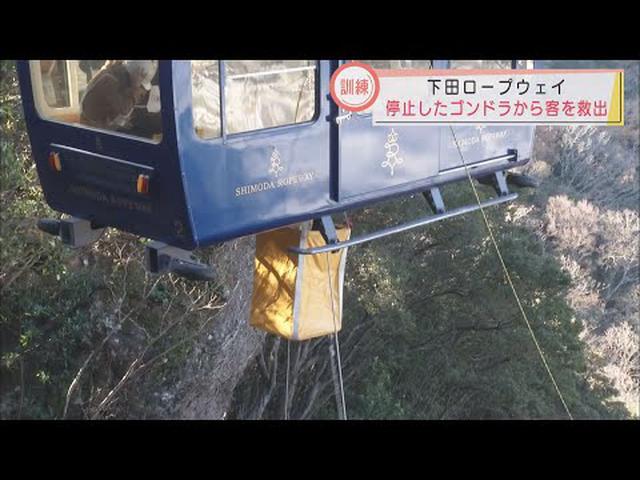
[(392, 152), (276, 167), (484, 138), (276, 163)]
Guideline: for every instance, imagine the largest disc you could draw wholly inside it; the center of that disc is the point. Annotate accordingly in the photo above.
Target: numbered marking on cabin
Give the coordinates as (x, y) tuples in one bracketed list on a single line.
[(392, 152)]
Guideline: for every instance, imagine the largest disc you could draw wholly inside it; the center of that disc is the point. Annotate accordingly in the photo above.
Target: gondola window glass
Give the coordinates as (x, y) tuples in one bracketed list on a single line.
[(116, 95), (398, 64), (205, 94), (263, 94), (481, 64)]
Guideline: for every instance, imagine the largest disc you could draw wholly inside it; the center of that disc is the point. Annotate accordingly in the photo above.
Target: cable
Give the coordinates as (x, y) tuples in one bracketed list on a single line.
[(343, 410), (508, 276), (286, 383)]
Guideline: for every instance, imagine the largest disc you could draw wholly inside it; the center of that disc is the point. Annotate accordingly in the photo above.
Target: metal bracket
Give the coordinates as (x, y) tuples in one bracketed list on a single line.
[(341, 118), (75, 232), (434, 199), (327, 228), (162, 258), (499, 183), (332, 247)]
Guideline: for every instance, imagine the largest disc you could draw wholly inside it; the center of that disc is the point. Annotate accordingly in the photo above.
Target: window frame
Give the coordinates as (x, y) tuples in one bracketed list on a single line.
[(45, 112), (197, 136), (514, 64), (239, 136), (42, 105)]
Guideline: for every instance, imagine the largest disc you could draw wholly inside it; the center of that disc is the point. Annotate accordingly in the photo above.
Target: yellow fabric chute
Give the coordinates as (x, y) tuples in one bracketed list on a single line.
[(292, 293)]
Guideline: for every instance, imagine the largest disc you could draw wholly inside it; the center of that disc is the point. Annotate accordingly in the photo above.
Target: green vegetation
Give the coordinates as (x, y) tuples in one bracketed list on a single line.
[(431, 329), (60, 308), (447, 339)]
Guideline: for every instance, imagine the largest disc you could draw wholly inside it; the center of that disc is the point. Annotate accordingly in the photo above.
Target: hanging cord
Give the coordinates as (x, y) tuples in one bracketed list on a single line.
[(347, 220), (286, 382), (506, 274), (342, 410)]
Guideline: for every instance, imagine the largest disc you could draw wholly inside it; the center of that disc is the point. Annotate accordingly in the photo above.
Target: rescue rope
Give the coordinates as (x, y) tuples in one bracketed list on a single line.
[(286, 382), (508, 276), (342, 410)]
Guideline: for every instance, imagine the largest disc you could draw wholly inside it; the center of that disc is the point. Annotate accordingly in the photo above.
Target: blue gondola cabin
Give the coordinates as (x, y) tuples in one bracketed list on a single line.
[(190, 153)]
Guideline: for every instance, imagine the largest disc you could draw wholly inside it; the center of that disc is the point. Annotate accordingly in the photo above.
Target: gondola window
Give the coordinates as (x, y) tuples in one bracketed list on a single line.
[(115, 95)]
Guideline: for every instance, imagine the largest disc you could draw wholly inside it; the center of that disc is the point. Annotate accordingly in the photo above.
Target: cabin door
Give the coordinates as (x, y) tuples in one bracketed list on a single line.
[(377, 159), (484, 143)]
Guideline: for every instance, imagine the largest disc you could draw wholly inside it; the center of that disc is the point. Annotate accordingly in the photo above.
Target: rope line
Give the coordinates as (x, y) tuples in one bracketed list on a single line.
[(508, 276), (286, 382), (343, 410)]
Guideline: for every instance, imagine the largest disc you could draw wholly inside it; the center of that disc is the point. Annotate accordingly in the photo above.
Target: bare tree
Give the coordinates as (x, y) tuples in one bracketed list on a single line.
[(310, 380)]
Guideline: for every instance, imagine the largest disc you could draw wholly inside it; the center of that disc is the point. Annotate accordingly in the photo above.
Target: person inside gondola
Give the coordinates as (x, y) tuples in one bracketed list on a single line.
[(122, 97)]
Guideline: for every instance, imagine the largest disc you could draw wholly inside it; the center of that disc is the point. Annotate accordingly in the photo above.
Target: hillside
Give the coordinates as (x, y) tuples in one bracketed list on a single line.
[(431, 330)]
